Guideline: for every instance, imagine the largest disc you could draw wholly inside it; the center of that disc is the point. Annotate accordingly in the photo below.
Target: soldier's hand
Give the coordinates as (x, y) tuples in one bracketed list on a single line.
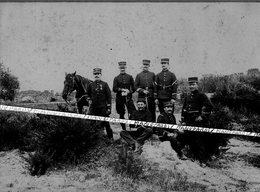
[(199, 118), (108, 111), (127, 91), (146, 92), (90, 102), (156, 101), (173, 100)]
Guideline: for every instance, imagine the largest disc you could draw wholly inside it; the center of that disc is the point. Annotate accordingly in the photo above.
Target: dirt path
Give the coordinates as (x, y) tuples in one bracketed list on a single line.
[(232, 172)]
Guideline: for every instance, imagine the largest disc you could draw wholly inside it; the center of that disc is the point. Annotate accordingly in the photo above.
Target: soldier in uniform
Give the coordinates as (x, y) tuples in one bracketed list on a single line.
[(195, 112), (123, 86), (176, 138), (136, 139), (144, 85), (165, 86), (99, 98)]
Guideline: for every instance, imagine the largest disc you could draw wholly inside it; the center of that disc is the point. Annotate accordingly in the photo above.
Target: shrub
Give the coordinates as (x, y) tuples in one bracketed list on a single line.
[(132, 171), (38, 163), (14, 132), (173, 180), (9, 84), (65, 140), (128, 164)]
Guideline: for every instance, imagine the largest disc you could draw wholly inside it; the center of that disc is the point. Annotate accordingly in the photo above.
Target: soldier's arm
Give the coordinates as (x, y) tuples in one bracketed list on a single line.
[(207, 105), (132, 83), (137, 83), (174, 88), (133, 117), (153, 76), (160, 119), (108, 96), (149, 117), (157, 130), (156, 81), (88, 94), (115, 85), (183, 111)]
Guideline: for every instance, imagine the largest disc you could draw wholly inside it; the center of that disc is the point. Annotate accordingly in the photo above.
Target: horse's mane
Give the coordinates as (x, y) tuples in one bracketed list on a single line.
[(83, 81)]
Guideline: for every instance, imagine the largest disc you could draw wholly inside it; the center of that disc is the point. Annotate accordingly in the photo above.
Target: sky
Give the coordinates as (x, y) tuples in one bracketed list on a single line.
[(40, 42)]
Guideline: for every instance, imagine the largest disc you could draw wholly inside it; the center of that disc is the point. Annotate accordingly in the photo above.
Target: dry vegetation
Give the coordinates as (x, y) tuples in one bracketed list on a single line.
[(72, 154)]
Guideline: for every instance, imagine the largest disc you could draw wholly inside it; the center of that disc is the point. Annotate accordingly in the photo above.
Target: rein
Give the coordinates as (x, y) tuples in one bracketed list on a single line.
[(77, 87)]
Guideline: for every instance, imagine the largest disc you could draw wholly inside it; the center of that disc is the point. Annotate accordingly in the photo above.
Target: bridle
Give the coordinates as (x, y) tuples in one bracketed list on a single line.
[(70, 90), (74, 86)]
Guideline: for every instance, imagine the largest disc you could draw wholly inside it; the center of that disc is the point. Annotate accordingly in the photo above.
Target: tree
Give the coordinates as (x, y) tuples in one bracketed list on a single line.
[(9, 84)]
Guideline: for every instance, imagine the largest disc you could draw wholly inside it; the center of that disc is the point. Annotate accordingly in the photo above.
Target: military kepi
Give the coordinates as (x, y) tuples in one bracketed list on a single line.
[(168, 104), (193, 79), (97, 70), (165, 60), (122, 63), (141, 100), (146, 62)]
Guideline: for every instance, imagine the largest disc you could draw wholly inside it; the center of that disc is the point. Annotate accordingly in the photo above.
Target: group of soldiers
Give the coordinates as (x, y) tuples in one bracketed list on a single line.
[(159, 89)]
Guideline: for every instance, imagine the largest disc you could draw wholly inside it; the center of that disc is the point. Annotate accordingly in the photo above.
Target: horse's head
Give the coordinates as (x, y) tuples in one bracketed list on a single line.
[(69, 85)]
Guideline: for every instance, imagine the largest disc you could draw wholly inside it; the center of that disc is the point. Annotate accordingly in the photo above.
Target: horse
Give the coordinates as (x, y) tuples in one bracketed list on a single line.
[(76, 82)]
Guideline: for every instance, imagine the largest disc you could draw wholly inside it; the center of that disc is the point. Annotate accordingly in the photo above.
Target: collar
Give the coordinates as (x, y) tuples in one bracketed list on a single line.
[(195, 92)]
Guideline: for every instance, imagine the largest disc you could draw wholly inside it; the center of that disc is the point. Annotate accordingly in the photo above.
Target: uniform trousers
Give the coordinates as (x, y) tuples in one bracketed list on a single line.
[(101, 111), (121, 102), (140, 135)]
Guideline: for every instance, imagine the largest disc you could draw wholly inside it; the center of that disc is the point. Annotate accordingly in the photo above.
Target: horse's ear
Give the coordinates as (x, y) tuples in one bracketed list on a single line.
[(74, 73), (66, 74)]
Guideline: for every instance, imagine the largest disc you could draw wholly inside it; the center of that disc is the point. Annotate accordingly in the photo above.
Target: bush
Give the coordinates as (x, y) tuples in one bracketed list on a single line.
[(232, 91), (14, 132), (133, 171), (173, 180), (9, 84), (64, 140), (128, 164), (54, 140)]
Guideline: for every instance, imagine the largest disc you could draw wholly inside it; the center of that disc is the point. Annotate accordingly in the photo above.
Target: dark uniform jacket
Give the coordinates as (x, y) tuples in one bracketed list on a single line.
[(166, 118), (165, 85), (100, 94), (145, 81), (141, 116), (196, 104), (123, 81)]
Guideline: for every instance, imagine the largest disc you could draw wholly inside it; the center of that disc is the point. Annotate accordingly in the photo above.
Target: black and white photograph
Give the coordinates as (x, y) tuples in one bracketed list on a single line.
[(129, 96)]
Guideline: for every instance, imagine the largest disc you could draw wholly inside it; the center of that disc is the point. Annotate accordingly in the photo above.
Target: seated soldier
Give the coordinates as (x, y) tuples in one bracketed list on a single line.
[(136, 139), (177, 138)]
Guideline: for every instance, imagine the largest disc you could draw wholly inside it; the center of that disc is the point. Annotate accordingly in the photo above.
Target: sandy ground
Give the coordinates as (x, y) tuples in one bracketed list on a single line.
[(230, 172)]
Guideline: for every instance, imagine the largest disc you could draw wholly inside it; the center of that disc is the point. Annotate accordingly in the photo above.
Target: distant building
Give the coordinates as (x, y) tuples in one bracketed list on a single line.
[(253, 72), (207, 75)]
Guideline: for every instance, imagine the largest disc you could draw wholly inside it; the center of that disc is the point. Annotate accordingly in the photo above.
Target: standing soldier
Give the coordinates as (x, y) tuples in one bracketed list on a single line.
[(195, 112), (123, 86), (144, 85), (165, 86), (99, 98)]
